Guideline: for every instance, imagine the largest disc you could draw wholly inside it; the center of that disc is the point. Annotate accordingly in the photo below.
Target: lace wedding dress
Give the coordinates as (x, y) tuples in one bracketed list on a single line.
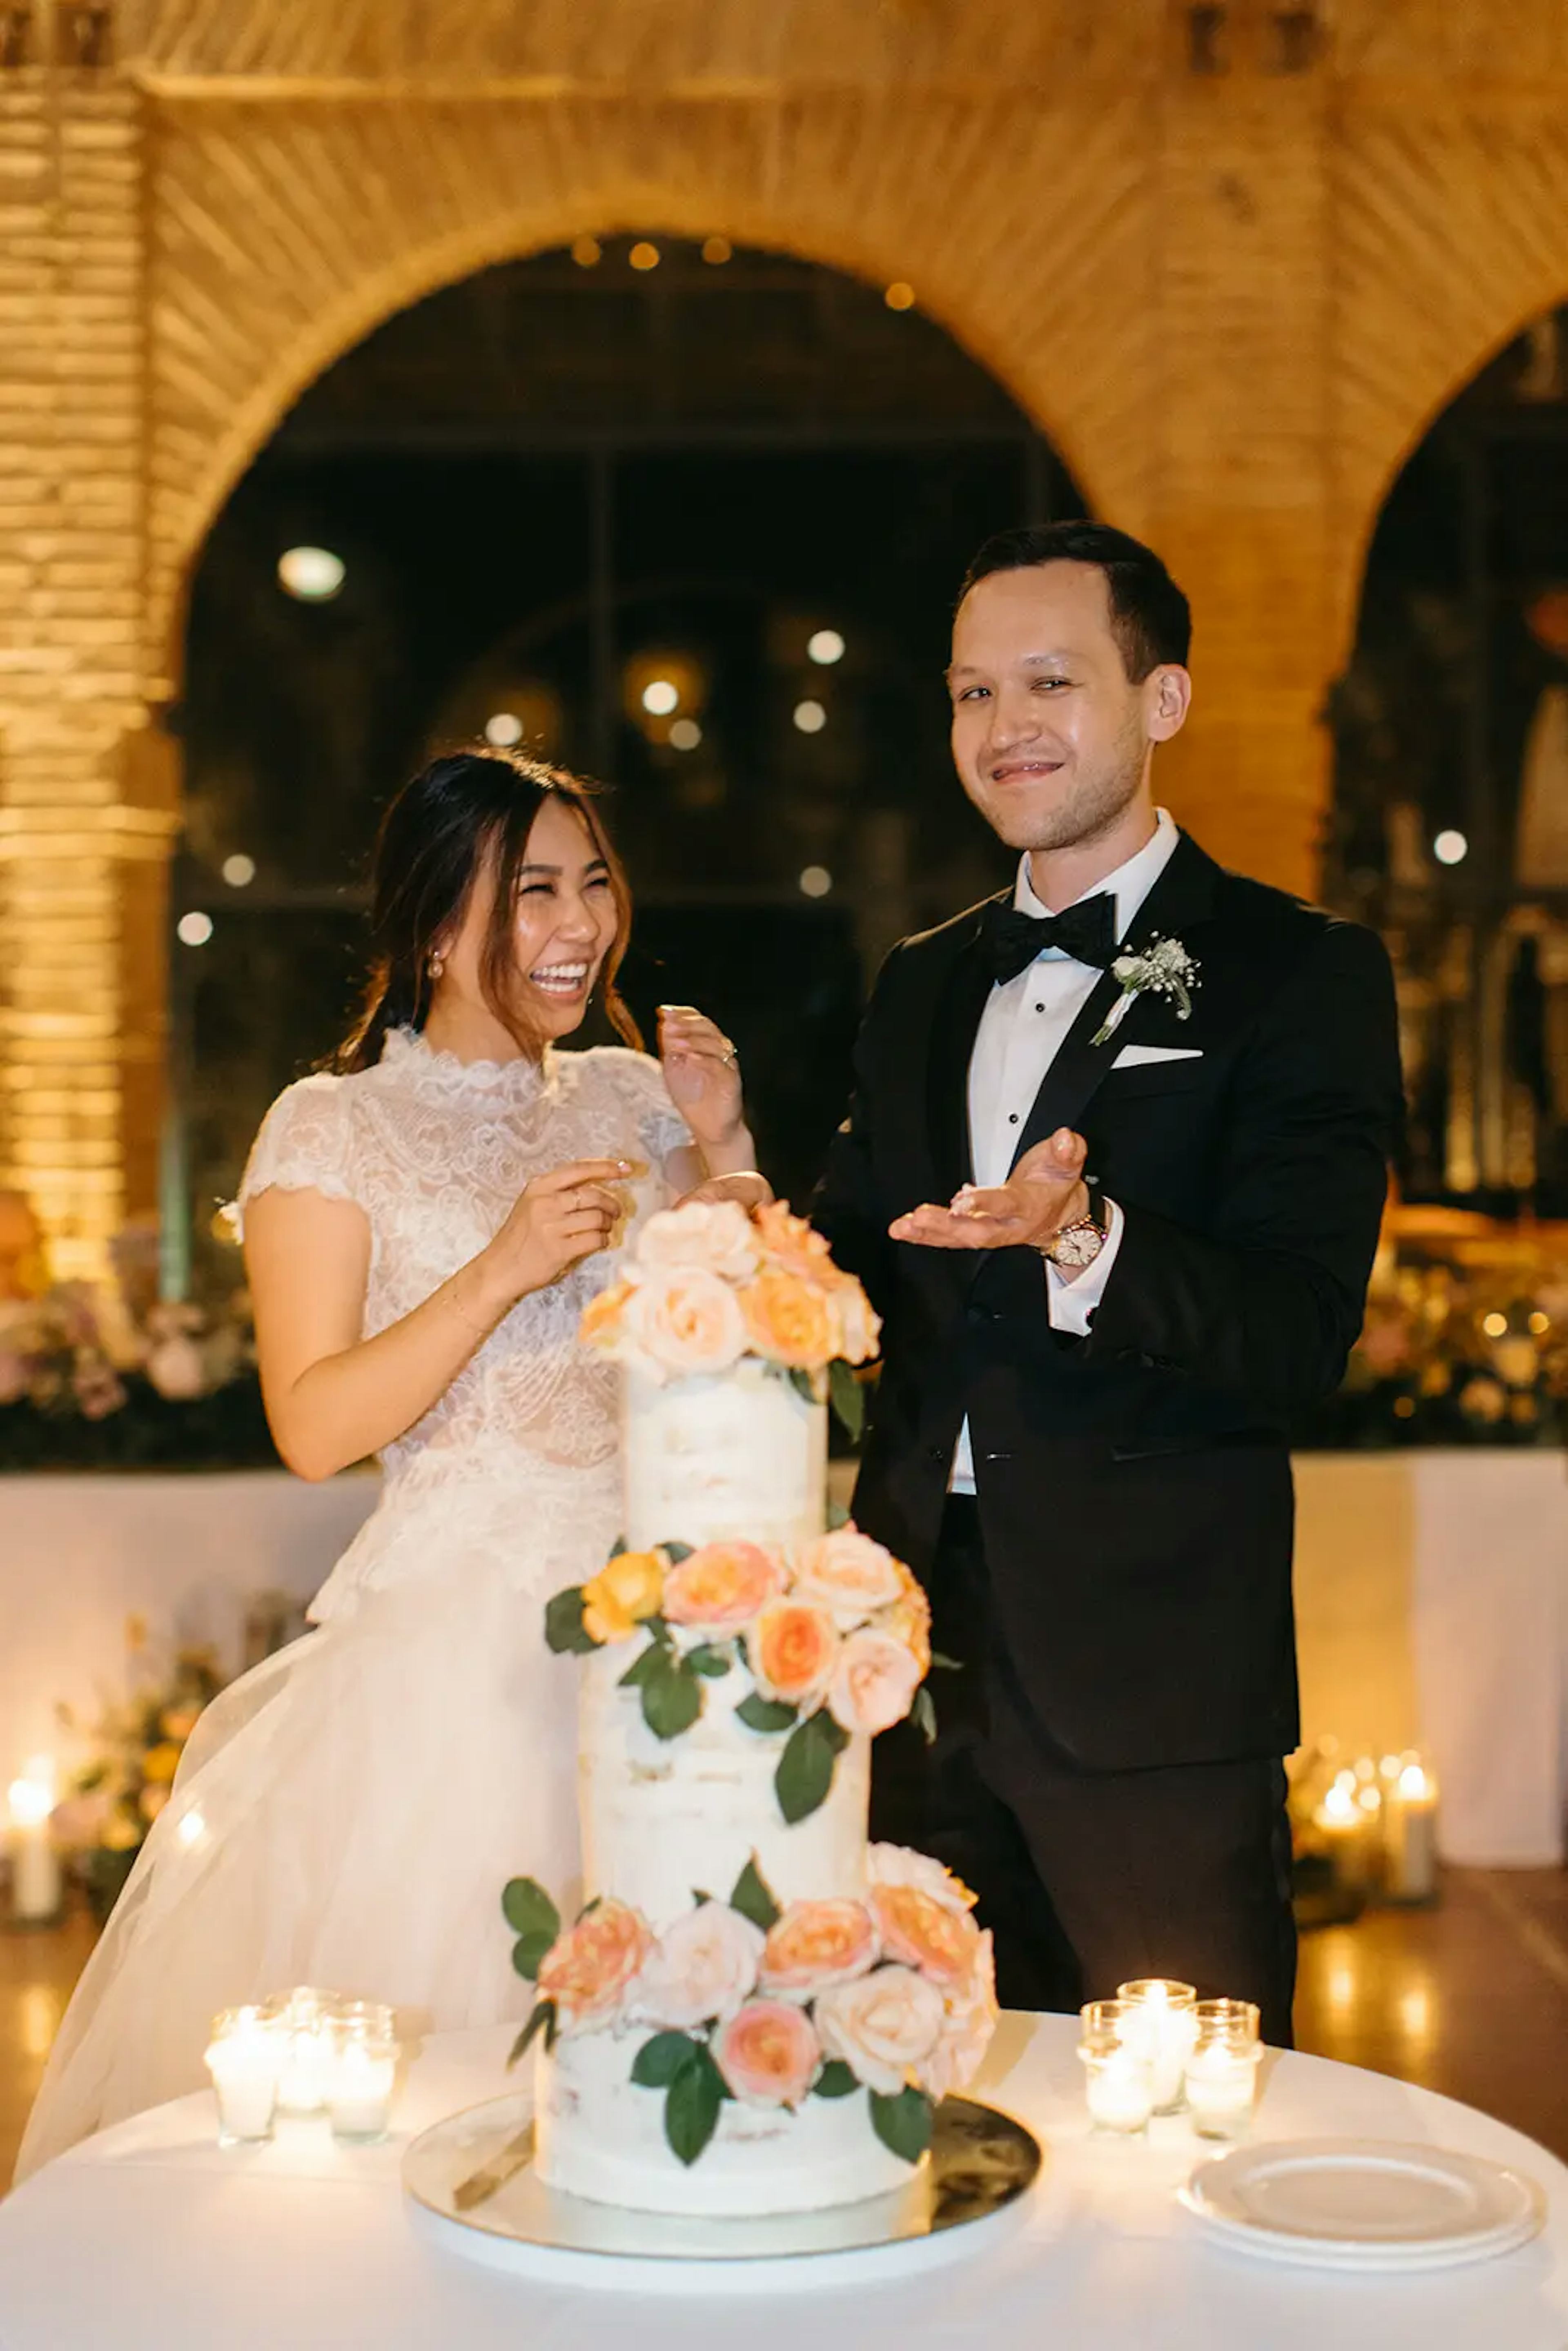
[(347, 1814)]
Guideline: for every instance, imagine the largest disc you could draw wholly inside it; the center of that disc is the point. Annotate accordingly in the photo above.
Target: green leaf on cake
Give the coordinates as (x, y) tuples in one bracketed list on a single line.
[(923, 1715), (615, 1549), (649, 1660), (527, 1909), (804, 1770), (708, 1661), (675, 1552), (658, 2060), (903, 2123), (836, 2080), (692, 2105), (754, 1897), (847, 1397), (672, 1695), (530, 1953), (760, 1713), (542, 2020), (837, 1516), (565, 1632)]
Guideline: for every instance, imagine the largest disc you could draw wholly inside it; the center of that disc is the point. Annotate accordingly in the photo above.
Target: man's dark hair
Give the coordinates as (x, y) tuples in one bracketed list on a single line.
[(1150, 618)]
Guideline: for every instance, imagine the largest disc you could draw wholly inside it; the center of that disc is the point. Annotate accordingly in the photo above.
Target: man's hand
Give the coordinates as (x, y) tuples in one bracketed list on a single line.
[(1045, 1191)]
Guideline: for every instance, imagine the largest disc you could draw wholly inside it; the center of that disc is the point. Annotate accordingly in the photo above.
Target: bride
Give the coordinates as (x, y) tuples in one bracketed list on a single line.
[(422, 1229)]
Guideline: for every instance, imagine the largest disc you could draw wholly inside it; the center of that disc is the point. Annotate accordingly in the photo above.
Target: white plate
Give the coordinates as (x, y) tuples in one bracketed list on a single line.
[(1364, 2204)]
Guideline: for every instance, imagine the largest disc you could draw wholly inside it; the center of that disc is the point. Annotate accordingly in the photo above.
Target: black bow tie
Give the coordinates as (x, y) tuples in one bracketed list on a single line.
[(1086, 932)]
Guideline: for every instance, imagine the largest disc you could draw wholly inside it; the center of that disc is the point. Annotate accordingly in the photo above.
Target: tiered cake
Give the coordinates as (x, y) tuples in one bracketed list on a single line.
[(756, 2010)]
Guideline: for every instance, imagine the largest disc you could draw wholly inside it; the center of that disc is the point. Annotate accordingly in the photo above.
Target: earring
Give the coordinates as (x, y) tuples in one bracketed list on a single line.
[(437, 966)]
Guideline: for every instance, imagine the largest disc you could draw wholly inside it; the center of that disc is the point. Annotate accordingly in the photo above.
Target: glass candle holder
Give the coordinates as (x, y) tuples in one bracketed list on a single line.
[(1119, 2079), (1222, 2068), (362, 2072), (305, 2019), (1161, 2027), (245, 2058)]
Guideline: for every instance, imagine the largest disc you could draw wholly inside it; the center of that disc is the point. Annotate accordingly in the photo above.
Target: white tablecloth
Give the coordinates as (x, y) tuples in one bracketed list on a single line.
[(79, 1555), (149, 2239)]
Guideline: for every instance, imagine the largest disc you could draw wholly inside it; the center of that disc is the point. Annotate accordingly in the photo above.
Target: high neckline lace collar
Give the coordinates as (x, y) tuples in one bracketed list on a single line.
[(406, 1053)]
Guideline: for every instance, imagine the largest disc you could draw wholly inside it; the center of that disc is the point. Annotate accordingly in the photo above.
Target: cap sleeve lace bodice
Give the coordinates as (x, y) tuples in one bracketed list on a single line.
[(433, 1151)]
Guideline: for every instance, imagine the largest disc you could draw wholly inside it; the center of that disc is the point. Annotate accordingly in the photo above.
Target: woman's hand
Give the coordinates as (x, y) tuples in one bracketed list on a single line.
[(702, 1075), (557, 1219), (747, 1187)]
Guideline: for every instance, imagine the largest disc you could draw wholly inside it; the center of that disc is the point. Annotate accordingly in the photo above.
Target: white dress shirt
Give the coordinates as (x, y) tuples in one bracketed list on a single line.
[(1023, 1028)]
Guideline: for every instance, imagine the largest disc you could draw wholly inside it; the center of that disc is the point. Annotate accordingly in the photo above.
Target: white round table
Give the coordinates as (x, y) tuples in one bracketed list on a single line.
[(150, 2238)]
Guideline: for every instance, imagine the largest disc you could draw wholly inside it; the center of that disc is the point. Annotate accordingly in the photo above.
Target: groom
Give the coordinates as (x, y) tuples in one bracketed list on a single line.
[(1113, 1175)]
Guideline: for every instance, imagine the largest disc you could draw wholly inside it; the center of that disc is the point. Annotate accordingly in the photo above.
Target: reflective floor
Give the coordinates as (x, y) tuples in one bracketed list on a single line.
[(1470, 1998)]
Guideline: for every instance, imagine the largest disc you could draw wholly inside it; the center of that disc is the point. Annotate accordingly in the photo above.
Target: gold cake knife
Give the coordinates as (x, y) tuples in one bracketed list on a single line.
[(481, 2185)]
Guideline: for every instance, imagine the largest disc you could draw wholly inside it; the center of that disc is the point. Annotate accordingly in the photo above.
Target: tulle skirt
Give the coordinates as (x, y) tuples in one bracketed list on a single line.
[(346, 1815)]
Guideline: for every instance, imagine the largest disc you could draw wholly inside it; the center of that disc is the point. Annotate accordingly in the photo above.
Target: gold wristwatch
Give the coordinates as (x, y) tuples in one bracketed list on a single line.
[(1076, 1246)]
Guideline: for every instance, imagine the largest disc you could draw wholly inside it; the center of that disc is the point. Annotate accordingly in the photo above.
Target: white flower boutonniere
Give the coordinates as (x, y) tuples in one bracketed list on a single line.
[(1164, 968)]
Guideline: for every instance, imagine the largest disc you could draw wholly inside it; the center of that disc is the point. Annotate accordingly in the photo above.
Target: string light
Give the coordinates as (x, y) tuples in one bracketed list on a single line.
[(686, 734), (810, 718), (815, 881), (643, 255), (899, 297), (825, 646), (716, 250), (239, 870), (313, 574), (660, 696), (1450, 848), (504, 729), (195, 929), (586, 252)]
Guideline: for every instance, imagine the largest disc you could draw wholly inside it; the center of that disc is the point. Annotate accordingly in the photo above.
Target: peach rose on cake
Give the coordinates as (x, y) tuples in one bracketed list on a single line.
[(713, 1235), (943, 1943), (792, 1649), (875, 1681), (848, 1575), (789, 1243), (817, 1944), (790, 1321), (723, 1586), (966, 2030), (623, 1593), (703, 1967), (601, 1323), (588, 1969), (768, 2054), (686, 1320), (859, 1325), (884, 2026), (899, 1864)]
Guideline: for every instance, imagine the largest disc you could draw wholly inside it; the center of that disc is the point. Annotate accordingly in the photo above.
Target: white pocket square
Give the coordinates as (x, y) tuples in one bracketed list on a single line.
[(1138, 1056)]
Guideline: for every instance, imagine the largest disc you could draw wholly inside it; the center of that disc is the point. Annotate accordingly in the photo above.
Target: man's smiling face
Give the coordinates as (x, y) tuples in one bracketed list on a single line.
[(1051, 737)]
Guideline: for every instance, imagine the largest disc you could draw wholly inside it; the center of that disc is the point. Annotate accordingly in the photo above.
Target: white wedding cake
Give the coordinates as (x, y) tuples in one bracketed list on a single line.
[(756, 2010)]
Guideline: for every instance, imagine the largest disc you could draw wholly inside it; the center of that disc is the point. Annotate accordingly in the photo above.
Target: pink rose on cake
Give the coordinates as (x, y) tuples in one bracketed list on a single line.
[(899, 1864), (768, 2054), (817, 1944), (943, 1943), (723, 1586), (789, 1321), (884, 2026), (703, 1967), (713, 1237), (966, 2030), (875, 1681), (686, 1320), (587, 1969), (792, 1650), (850, 1576)]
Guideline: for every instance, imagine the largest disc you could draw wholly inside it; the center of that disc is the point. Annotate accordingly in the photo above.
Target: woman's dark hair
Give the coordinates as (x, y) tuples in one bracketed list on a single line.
[(466, 814), (1151, 620)]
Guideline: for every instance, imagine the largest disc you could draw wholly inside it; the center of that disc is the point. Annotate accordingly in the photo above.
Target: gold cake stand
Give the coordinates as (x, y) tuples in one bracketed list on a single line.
[(473, 2187)]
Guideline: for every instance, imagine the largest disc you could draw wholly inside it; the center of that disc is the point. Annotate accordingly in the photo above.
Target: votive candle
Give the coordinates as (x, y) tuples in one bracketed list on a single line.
[(305, 2019), (361, 2070), (1222, 2069), (1160, 2024), (244, 2059), (1119, 2081)]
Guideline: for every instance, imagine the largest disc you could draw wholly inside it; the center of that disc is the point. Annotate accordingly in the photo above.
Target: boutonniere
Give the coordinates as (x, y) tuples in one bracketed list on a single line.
[(1164, 968)]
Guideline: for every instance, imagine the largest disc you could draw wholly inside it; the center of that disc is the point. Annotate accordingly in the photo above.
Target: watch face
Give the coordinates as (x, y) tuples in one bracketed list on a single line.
[(1079, 1246)]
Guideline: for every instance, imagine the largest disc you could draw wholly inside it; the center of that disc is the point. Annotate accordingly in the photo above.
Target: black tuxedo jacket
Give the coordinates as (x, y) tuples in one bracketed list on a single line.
[(1135, 1487)]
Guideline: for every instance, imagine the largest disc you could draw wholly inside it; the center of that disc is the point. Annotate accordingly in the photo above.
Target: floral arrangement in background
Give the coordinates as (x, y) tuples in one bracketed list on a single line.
[(112, 1375), (706, 1284), (113, 1801), (1465, 1340), (895, 1996), (834, 1640)]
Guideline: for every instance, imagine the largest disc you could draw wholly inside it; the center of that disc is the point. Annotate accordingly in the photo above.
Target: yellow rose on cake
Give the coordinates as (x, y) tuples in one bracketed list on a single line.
[(623, 1593)]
